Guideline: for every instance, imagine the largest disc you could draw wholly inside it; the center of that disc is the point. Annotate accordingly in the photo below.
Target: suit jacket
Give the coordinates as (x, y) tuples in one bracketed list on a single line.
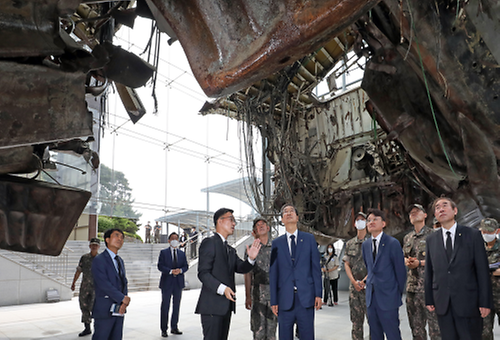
[(217, 265), (165, 265), (107, 285), (305, 272), (387, 275), (465, 279)]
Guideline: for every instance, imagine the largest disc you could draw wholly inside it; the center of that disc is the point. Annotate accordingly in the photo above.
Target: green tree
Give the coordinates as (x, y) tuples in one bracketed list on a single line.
[(115, 194), (104, 223), (128, 226), (125, 224)]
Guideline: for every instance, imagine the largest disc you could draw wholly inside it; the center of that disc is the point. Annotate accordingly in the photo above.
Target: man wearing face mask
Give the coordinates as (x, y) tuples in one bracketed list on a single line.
[(414, 251), (173, 264), (356, 271), (489, 230)]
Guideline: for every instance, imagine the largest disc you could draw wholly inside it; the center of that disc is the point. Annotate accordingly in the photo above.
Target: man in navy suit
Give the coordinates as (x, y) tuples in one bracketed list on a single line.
[(217, 264), (295, 278), (457, 279), (172, 264), (110, 284), (386, 278)]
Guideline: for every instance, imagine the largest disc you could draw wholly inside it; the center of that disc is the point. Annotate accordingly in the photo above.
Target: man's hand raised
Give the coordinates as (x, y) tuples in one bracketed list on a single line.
[(253, 251)]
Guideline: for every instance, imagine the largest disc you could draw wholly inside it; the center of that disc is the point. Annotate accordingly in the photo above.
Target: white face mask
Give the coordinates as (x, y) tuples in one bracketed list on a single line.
[(360, 224), (330, 250), (489, 237), (174, 243)]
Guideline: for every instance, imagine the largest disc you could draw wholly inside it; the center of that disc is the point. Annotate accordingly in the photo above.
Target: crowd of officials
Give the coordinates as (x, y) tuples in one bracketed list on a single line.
[(450, 273)]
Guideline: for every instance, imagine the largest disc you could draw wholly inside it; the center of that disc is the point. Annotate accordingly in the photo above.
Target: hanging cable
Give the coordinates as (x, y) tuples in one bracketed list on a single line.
[(429, 95)]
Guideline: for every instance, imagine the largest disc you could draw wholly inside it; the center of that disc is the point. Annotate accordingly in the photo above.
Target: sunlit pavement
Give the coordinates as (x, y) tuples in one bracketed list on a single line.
[(61, 320)]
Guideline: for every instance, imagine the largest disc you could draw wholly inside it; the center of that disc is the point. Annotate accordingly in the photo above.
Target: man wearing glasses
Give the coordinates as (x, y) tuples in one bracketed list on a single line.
[(217, 264)]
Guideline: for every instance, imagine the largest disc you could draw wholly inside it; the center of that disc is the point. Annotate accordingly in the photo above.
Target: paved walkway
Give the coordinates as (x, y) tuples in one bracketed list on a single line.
[(61, 320)]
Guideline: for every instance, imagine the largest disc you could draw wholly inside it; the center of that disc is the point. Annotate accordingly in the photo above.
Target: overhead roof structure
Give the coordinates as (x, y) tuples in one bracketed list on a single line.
[(203, 219), (237, 188), (188, 219)]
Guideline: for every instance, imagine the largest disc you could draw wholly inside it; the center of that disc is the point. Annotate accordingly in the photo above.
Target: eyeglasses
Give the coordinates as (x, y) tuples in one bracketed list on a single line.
[(373, 219), (231, 218)]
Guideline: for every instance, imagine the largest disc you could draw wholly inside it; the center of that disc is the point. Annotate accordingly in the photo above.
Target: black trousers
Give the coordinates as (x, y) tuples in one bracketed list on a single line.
[(454, 327), (215, 327), (333, 284)]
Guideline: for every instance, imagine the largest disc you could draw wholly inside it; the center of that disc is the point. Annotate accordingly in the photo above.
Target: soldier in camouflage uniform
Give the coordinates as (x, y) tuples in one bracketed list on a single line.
[(356, 271), (262, 320), (86, 295), (414, 252), (489, 229)]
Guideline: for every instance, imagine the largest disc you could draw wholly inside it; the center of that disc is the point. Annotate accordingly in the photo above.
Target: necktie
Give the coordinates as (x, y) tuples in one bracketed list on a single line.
[(374, 249), (449, 247), (226, 246), (293, 246), (120, 271), (175, 259)]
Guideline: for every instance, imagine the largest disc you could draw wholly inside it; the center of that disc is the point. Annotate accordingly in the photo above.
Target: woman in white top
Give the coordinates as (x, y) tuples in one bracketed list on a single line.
[(331, 271)]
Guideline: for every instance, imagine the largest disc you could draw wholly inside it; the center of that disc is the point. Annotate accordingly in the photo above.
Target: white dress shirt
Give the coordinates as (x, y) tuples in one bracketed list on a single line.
[(377, 241), (453, 231), (222, 287), (289, 240)]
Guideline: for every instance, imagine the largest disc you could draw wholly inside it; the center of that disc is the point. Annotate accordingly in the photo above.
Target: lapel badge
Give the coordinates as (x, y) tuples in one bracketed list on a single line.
[(423, 253)]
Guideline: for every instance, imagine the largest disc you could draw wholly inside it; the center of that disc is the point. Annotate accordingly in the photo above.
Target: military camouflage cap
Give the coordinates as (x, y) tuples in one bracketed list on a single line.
[(360, 213), (257, 220), (95, 240), (418, 206), (489, 224)]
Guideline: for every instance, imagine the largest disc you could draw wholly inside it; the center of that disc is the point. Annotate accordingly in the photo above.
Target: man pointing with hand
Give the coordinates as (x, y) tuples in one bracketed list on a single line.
[(218, 262)]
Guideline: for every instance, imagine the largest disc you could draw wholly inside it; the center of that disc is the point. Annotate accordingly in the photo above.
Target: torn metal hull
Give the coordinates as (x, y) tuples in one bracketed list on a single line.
[(232, 44), (432, 82), (37, 217)]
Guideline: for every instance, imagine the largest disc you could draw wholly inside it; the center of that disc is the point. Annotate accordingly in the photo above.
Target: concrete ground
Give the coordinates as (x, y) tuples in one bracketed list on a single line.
[(61, 320)]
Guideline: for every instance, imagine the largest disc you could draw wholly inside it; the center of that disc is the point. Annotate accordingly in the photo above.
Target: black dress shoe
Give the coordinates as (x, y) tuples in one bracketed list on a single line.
[(86, 331), (164, 334), (176, 331)]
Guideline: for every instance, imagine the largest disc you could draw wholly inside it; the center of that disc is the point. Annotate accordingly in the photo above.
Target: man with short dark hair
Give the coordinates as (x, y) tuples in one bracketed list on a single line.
[(216, 267), (110, 284), (86, 293), (457, 279), (355, 270), (173, 264), (295, 278), (414, 252), (385, 282)]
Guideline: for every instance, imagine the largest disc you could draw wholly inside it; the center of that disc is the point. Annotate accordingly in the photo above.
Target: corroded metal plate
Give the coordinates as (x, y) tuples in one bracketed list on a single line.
[(232, 44), (37, 217)]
